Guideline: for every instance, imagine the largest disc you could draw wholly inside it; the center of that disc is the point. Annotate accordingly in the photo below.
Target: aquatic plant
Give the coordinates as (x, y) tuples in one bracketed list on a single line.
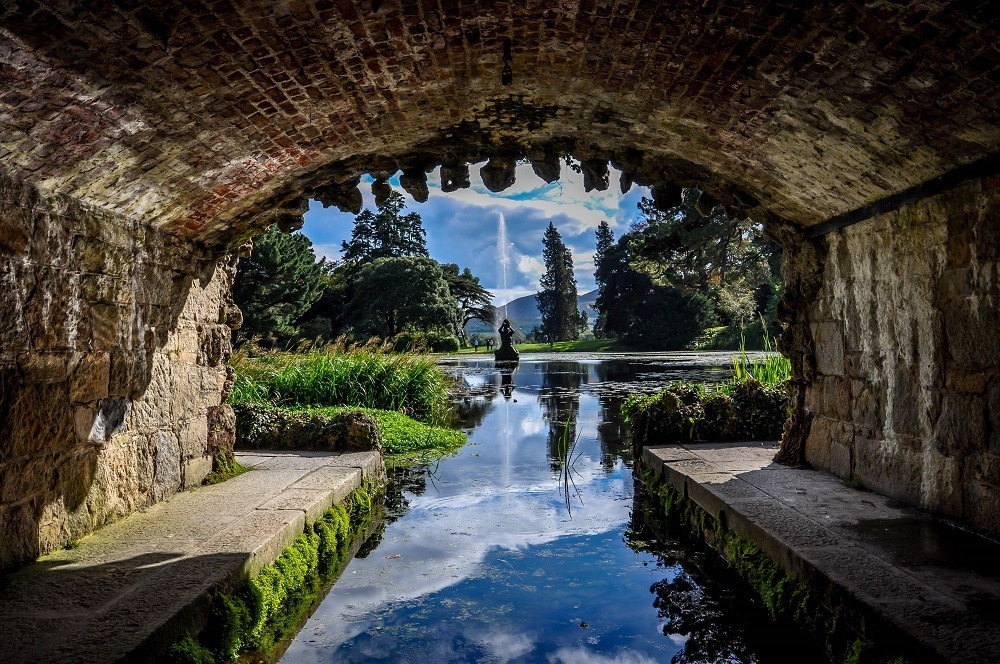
[(566, 458), (746, 410), (772, 369), (339, 375)]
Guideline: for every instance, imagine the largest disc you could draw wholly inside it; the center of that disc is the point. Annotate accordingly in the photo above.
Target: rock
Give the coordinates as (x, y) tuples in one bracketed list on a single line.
[(414, 182), (267, 427)]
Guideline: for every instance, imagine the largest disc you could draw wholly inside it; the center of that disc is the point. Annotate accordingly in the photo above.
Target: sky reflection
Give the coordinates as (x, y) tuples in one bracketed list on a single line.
[(484, 562)]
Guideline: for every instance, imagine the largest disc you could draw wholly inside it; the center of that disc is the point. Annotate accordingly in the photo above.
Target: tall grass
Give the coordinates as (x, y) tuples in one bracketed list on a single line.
[(339, 375), (771, 369)]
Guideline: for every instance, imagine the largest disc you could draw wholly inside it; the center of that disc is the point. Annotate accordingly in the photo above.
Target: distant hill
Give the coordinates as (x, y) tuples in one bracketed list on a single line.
[(523, 313)]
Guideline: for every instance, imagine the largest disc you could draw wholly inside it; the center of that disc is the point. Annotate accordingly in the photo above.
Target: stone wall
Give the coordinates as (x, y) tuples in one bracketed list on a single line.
[(113, 361), (906, 394)]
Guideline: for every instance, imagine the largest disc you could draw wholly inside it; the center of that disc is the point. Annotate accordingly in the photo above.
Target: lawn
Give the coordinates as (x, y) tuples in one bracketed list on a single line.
[(586, 346)]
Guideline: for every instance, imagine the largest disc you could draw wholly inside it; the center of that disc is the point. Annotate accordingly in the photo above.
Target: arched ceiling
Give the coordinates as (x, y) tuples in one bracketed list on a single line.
[(197, 116)]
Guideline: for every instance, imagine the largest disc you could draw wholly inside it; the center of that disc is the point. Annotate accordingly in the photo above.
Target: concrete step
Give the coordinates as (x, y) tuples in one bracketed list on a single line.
[(151, 574), (931, 581)]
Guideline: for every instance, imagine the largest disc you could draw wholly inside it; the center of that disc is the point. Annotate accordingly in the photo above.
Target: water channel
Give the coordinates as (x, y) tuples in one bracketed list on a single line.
[(499, 554)]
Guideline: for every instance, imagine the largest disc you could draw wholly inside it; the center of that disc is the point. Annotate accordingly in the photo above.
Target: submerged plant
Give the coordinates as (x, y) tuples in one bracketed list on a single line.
[(566, 457)]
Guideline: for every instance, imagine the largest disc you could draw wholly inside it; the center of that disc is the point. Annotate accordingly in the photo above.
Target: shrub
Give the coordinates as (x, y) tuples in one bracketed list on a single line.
[(686, 411)]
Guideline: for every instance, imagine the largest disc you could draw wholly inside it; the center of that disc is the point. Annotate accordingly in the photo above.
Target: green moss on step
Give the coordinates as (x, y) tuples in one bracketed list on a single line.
[(224, 467), (189, 651), (788, 600), (266, 608)]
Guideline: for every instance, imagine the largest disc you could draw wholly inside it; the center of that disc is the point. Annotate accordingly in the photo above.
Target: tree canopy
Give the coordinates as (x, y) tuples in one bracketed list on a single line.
[(276, 284), (473, 300), (395, 294), (385, 233), (726, 257)]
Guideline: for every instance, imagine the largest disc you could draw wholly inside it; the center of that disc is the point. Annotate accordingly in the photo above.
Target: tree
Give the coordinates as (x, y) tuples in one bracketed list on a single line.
[(726, 258), (642, 313), (473, 300), (557, 300), (277, 284), (385, 234), (605, 242), (395, 294)]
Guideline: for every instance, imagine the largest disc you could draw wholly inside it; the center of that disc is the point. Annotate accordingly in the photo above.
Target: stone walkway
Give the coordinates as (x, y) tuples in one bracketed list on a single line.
[(143, 581), (929, 581)]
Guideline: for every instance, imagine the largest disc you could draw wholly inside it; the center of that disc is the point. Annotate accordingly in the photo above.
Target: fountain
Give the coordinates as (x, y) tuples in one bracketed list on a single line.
[(506, 353)]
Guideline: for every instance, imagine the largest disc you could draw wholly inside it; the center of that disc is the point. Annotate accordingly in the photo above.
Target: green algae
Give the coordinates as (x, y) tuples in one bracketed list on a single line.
[(267, 608)]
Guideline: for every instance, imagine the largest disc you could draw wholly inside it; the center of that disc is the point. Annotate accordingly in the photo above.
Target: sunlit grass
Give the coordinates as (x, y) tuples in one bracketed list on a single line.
[(770, 369), (402, 434), (338, 375)]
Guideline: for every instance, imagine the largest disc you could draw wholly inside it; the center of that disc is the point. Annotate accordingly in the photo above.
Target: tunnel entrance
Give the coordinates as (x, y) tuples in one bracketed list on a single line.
[(141, 145)]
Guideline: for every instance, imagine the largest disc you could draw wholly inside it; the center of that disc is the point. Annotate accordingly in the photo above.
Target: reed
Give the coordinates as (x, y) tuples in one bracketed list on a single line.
[(771, 369), (340, 375)]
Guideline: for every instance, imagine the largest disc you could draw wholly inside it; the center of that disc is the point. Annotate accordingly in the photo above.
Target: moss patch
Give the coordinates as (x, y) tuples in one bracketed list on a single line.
[(402, 434), (746, 410), (268, 607), (224, 467), (787, 599)]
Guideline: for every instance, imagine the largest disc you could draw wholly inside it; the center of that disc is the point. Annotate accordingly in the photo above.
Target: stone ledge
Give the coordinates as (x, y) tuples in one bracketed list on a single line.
[(155, 571), (922, 579)]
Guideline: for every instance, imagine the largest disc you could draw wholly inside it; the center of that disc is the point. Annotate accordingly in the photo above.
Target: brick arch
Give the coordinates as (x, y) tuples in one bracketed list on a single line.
[(193, 116)]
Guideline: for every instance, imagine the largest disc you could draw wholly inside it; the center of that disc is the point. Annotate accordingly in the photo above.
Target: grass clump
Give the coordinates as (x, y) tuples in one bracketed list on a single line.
[(265, 609), (770, 370), (402, 434), (337, 375), (750, 406)]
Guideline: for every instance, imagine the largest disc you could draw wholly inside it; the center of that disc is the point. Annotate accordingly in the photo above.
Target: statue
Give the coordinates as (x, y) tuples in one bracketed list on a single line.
[(506, 351)]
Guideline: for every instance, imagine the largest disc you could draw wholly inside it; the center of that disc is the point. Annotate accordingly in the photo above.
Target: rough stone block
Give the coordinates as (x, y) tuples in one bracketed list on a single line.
[(818, 442), (889, 468), (167, 479), (829, 343), (836, 398), (196, 470), (90, 378), (961, 428), (193, 437)]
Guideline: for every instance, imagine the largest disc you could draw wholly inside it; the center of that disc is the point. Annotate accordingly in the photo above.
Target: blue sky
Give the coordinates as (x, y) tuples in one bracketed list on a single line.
[(462, 225)]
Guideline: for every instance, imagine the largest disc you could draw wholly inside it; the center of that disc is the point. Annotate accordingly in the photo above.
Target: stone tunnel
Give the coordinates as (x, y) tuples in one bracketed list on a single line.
[(143, 143)]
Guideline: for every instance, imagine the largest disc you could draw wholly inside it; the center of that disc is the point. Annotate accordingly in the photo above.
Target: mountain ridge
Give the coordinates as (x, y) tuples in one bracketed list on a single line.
[(524, 314)]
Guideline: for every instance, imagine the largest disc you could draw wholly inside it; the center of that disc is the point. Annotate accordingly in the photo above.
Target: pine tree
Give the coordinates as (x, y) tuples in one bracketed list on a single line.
[(557, 300), (277, 284), (386, 233), (605, 241)]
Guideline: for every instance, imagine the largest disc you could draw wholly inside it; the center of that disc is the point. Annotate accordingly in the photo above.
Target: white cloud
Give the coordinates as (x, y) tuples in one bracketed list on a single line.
[(581, 655), (462, 225)]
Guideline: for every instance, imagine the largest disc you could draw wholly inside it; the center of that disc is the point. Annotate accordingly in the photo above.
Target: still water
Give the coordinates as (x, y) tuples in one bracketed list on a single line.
[(516, 549)]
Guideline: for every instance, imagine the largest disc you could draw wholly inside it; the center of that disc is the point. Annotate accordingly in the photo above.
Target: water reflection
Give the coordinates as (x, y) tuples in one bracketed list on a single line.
[(480, 557)]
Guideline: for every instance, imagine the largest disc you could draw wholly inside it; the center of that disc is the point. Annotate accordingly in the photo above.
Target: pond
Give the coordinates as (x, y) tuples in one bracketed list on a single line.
[(523, 547)]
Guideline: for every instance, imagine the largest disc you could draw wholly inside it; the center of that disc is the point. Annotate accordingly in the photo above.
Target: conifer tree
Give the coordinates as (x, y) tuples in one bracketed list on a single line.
[(277, 284), (386, 233), (557, 300), (605, 241)]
